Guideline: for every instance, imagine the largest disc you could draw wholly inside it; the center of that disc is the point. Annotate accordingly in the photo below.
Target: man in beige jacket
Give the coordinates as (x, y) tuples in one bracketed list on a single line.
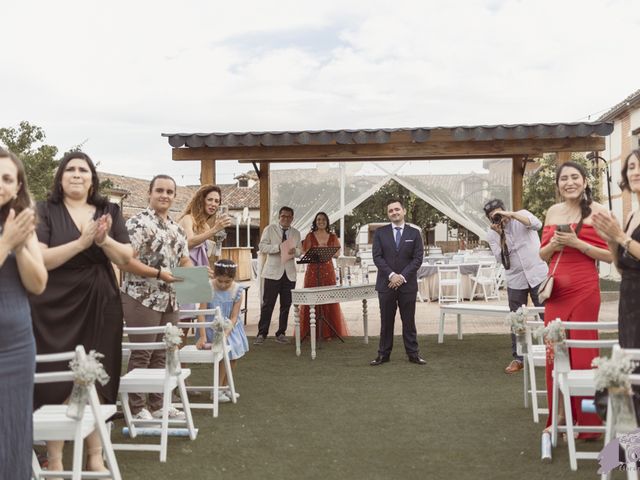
[(281, 244)]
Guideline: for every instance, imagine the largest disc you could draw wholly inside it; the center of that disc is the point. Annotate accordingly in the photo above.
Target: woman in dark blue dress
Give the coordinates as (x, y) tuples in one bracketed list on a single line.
[(21, 270)]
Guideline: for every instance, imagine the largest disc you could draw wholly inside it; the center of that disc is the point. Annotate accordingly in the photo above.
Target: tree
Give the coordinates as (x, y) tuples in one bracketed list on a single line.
[(539, 189), (27, 141)]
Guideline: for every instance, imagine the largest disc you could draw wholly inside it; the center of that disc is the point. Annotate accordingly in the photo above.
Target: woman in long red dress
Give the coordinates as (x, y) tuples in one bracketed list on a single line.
[(576, 291), (321, 236)]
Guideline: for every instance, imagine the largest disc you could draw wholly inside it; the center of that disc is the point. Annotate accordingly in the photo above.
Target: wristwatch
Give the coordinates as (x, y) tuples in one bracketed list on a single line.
[(626, 243)]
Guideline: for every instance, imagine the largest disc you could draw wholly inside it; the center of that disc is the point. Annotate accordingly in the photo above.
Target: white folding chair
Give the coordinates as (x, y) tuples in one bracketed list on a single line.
[(486, 278), (50, 423), (536, 356), (576, 383), (610, 424), (153, 380), (190, 354), (448, 278)]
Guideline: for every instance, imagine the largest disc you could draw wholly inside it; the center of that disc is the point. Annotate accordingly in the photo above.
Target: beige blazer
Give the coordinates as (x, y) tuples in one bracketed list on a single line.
[(270, 247)]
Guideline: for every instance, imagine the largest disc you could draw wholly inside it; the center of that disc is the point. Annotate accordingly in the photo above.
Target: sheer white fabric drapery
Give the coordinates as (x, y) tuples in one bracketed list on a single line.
[(459, 196)]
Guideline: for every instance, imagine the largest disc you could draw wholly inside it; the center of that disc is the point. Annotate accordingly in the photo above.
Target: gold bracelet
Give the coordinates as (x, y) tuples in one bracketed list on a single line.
[(626, 243)]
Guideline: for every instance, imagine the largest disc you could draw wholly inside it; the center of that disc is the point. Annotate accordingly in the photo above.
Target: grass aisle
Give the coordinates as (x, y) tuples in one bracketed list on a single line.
[(458, 417)]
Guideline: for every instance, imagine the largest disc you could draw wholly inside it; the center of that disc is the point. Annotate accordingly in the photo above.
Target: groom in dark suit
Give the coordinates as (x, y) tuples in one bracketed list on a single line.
[(397, 252)]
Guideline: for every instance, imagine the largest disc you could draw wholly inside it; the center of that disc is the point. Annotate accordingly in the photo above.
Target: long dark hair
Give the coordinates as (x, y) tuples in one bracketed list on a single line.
[(23, 199), (56, 195), (587, 197), (314, 225), (624, 182)]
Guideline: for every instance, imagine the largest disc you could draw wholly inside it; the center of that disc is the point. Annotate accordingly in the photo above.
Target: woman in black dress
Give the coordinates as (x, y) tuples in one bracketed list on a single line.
[(21, 270), (625, 247), (81, 234)]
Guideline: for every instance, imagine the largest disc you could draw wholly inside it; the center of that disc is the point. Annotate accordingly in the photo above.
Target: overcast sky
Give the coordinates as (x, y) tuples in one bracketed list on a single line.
[(117, 74)]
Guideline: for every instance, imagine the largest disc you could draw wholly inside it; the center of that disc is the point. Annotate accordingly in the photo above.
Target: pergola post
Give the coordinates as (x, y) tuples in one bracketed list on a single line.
[(562, 157), (207, 172), (519, 163), (265, 195)]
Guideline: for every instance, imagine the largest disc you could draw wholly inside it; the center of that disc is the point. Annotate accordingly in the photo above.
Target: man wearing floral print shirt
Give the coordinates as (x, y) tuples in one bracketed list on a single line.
[(148, 294)]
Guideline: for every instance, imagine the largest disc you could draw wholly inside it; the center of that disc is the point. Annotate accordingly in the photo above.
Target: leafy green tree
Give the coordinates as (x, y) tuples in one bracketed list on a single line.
[(27, 141), (539, 189)]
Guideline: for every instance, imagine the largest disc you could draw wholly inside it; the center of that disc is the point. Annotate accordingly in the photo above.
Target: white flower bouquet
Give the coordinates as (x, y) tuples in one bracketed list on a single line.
[(516, 321), (613, 372), (220, 326), (554, 336), (172, 339), (85, 373)]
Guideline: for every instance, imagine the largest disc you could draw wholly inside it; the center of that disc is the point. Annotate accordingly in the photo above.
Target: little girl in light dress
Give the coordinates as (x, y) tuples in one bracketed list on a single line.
[(227, 295)]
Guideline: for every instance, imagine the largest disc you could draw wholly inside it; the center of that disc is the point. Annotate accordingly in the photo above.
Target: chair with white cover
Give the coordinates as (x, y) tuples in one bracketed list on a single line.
[(575, 383), (535, 356), (486, 278), (154, 380), (214, 356), (613, 426), (449, 280), (73, 422)]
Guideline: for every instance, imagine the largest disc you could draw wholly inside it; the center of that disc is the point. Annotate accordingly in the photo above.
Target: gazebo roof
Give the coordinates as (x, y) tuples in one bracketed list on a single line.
[(390, 135)]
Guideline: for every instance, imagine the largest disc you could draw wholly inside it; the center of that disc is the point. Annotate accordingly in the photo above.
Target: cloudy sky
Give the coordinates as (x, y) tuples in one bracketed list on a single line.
[(116, 74)]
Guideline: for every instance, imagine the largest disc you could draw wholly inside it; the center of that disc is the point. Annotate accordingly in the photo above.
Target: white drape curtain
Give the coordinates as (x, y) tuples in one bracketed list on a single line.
[(459, 196)]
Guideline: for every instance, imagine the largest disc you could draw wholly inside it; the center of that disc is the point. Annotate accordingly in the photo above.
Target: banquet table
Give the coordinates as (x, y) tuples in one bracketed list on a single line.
[(324, 295)]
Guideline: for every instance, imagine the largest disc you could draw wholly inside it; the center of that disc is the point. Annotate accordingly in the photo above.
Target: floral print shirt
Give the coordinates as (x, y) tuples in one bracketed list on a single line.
[(160, 244)]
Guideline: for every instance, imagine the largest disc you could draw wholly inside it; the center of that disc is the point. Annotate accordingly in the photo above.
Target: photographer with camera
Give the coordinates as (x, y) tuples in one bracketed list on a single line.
[(514, 242)]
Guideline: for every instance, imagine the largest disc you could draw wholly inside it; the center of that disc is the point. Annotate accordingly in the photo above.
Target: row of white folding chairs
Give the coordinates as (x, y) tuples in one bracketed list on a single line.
[(569, 382)]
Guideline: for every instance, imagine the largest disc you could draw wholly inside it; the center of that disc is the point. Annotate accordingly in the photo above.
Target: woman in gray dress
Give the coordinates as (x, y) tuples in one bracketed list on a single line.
[(21, 270)]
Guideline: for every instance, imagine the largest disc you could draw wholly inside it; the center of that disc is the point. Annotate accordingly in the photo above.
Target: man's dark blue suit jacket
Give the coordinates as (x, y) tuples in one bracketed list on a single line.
[(405, 260)]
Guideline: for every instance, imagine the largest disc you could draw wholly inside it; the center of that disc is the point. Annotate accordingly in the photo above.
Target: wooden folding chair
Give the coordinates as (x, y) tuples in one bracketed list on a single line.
[(153, 380), (50, 423)]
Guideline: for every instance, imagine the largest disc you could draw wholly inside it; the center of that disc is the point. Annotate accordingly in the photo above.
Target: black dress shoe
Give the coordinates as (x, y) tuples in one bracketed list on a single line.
[(378, 360), (417, 359)]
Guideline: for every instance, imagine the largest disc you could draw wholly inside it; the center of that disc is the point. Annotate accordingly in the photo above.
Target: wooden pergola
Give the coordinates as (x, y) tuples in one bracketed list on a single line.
[(521, 143)]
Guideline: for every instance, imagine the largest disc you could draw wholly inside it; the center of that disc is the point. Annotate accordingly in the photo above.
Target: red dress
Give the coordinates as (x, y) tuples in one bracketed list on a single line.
[(332, 312), (575, 297)]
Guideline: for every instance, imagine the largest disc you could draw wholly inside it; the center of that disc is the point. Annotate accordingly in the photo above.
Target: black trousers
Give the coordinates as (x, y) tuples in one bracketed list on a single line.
[(390, 301), (517, 298), (273, 288)]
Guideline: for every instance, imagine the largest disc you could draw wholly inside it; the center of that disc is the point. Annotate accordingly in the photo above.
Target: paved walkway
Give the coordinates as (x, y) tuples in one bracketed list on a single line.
[(427, 316)]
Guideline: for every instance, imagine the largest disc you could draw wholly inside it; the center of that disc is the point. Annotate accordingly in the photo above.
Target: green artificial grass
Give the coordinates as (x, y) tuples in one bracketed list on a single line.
[(336, 417)]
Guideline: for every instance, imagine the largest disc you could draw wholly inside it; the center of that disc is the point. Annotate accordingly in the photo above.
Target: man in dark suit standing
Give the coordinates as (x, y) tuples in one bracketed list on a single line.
[(397, 252)]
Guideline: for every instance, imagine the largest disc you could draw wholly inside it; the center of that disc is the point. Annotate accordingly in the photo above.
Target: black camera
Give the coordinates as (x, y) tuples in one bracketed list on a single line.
[(497, 219)]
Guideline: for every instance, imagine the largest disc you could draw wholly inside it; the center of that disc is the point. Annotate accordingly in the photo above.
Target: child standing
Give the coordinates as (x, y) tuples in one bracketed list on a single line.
[(227, 295)]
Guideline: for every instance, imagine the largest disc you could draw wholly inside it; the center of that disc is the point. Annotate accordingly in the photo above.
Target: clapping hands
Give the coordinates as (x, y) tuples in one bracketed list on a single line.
[(607, 226), (18, 228), (103, 225)]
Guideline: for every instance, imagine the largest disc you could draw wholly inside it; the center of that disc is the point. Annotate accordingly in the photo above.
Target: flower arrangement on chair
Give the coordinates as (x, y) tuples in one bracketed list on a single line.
[(612, 374), (554, 335), (86, 371), (220, 326), (172, 339), (516, 321)]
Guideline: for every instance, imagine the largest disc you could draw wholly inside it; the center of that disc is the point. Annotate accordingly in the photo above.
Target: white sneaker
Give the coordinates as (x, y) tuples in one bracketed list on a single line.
[(143, 414), (223, 397), (174, 414)]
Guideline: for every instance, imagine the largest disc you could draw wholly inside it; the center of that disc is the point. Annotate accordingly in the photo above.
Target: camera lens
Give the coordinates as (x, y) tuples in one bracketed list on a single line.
[(497, 218)]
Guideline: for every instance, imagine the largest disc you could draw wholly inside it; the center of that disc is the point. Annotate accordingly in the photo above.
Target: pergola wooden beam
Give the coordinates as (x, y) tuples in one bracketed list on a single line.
[(373, 152)]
